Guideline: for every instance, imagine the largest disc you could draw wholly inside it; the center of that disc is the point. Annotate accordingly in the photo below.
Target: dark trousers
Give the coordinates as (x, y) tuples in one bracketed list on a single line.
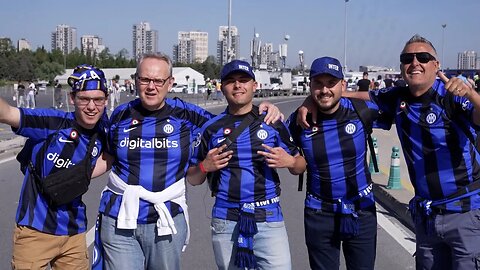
[(455, 244), (324, 241)]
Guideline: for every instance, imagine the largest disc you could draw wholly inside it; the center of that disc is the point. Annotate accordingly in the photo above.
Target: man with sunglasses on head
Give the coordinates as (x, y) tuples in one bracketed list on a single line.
[(436, 120), (144, 217), (58, 142)]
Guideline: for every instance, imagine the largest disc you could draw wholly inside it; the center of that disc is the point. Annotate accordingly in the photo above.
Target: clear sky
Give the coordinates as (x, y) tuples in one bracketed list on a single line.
[(376, 29)]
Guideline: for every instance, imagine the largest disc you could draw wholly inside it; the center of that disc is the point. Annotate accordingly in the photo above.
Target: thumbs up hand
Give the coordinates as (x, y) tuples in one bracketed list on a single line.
[(456, 85)]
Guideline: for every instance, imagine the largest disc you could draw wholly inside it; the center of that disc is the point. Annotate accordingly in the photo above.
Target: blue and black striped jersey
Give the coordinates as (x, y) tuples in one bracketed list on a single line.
[(152, 149), (247, 178), (335, 149), (57, 143), (439, 154)]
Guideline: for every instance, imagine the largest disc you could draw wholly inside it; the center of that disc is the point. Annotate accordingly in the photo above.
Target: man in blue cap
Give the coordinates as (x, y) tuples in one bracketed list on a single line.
[(339, 204), (51, 230), (240, 153)]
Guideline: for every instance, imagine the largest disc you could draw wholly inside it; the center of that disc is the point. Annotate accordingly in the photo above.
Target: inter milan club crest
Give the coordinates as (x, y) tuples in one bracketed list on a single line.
[(198, 140), (227, 131), (262, 134), (94, 151), (168, 128), (73, 134), (350, 128), (314, 129), (403, 104), (431, 118), (135, 122)]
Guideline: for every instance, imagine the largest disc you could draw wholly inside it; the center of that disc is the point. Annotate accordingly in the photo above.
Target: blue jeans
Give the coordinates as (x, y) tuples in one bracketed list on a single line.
[(270, 246), (142, 248), (454, 245), (324, 241)]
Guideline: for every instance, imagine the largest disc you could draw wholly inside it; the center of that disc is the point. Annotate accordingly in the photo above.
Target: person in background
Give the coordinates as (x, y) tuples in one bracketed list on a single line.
[(47, 234), (58, 95), (114, 94), (364, 83), (248, 230), (20, 95), (32, 91)]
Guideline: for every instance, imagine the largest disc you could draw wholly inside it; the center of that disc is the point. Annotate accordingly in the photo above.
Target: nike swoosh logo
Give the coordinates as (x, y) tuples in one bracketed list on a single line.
[(64, 140), (221, 140), (310, 135), (128, 129)]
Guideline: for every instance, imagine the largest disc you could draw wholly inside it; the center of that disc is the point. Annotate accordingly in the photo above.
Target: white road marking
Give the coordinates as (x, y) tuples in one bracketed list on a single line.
[(90, 236), (396, 232), (7, 159)]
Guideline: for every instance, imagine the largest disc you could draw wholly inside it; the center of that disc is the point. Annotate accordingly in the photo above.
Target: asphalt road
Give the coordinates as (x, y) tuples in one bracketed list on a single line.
[(394, 245)]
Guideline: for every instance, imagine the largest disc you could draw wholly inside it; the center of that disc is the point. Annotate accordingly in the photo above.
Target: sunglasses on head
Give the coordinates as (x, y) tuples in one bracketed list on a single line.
[(422, 57)]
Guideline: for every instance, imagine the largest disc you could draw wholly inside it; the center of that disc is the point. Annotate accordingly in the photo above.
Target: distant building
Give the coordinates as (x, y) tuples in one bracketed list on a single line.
[(222, 44), (5, 44), (91, 45), (23, 44), (192, 47), (145, 40), (467, 60), (64, 38), (374, 69)]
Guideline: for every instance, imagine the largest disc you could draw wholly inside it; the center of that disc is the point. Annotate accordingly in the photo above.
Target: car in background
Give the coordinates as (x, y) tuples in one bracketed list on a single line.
[(179, 88)]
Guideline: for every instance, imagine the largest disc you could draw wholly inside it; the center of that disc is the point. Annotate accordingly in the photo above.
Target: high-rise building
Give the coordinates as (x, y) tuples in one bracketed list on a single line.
[(5, 44), (64, 38), (23, 44), (145, 40), (91, 45), (467, 60), (192, 47), (222, 44)]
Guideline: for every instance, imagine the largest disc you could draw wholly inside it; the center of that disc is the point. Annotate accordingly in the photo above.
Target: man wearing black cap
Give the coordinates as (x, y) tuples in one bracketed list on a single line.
[(51, 230), (239, 153), (339, 206)]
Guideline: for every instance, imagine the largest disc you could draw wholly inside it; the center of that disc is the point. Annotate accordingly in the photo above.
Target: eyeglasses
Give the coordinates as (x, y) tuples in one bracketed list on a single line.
[(84, 101), (157, 82), (422, 57)]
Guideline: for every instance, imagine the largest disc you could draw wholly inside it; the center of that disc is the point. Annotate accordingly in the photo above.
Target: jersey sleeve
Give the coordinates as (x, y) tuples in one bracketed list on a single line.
[(199, 146), (295, 130), (285, 139), (38, 124)]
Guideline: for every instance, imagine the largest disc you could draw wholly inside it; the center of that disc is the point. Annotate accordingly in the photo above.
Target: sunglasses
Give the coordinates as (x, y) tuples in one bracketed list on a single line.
[(422, 57)]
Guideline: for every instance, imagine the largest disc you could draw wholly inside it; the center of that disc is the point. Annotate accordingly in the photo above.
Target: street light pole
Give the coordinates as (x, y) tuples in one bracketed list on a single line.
[(345, 40), (443, 45), (229, 35), (300, 56)]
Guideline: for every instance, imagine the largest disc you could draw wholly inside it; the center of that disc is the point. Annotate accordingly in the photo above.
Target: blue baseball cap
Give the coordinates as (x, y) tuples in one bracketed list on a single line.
[(237, 66), (87, 77), (326, 65)]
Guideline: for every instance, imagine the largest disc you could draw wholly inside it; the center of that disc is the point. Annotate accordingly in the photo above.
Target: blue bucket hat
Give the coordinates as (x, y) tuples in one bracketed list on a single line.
[(87, 77)]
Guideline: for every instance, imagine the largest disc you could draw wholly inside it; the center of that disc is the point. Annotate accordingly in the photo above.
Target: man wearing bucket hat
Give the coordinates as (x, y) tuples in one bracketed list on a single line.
[(61, 146), (339, 205), (247, 220)]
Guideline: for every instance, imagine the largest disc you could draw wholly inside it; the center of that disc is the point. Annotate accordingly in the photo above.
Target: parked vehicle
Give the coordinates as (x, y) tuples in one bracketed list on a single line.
[(273, 83), (300, 85), (179, 88)]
